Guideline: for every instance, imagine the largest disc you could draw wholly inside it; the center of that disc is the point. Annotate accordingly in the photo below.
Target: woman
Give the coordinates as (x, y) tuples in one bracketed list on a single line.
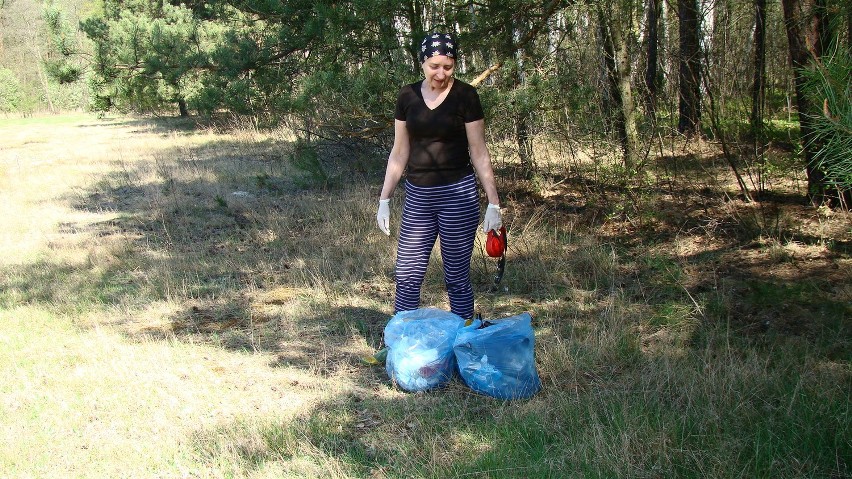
[(439, 142)]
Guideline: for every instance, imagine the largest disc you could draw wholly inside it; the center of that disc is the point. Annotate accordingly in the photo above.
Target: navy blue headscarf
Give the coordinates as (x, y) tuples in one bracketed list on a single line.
[(435, 44)]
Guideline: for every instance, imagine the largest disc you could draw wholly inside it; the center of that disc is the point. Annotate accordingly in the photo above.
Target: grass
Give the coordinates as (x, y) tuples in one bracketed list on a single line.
[(88, 403), (153, 323)]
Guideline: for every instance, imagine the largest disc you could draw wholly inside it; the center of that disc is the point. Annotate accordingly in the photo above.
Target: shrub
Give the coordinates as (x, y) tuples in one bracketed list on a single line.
[(11, 99)]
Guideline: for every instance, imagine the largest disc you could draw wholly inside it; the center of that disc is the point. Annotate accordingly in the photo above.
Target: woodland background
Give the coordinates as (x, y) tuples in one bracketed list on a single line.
[(744, 73)]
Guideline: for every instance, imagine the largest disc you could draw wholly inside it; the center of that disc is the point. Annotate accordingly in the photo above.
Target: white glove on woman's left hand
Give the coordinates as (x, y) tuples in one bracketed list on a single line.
[(493, 219)]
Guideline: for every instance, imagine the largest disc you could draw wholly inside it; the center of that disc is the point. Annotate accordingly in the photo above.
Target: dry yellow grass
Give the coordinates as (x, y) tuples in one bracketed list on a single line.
[(90, 403), (155, 324), (82, 398)]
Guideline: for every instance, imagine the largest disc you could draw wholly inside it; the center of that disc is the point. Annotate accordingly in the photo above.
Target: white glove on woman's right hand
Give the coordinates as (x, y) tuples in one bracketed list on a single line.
[(383, 216)]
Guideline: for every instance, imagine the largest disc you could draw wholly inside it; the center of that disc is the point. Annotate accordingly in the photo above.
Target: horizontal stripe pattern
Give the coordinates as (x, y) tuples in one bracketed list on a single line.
[(451, 213)]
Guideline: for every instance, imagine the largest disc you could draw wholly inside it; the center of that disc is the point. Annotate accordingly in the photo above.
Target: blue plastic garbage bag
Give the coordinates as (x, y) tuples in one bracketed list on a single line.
[(496, 357), (420, 348)]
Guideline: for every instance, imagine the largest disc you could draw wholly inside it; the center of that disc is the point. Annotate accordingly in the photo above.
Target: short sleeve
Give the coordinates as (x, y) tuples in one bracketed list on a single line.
[(401, 106), (472, 106)]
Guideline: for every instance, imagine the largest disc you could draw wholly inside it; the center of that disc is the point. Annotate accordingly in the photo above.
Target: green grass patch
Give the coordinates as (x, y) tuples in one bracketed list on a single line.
[(48, 120), (671, 314)]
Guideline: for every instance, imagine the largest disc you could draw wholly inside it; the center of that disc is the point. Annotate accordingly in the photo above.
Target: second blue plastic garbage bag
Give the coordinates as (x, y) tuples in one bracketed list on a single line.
[(496, 357), (420, 348)]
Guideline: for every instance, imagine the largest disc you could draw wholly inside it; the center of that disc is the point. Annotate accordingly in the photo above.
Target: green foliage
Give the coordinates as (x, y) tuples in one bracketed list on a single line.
[(10, 92), (306, 161), (332, 69), (328, 67), (67, 96), (830, 84), (60, 64), (143, 56), (62, 72)]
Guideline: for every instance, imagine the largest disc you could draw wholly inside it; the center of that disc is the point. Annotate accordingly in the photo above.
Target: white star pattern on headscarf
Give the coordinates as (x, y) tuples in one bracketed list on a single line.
[(436, 44)]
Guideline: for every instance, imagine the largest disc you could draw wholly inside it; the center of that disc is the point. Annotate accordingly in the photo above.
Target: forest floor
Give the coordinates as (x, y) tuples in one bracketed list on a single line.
[(686, 206), (195, 302)]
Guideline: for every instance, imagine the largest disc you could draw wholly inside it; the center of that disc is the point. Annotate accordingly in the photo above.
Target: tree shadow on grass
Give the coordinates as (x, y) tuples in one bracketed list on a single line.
[(444, 433), (176, 232), (326, 344), (159, 126)]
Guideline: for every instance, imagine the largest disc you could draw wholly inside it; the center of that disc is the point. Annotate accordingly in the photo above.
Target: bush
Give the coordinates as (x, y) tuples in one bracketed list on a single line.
[(11, 99)]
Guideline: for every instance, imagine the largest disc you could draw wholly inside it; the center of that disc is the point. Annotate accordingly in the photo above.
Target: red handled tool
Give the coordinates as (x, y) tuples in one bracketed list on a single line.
[(495, 245)]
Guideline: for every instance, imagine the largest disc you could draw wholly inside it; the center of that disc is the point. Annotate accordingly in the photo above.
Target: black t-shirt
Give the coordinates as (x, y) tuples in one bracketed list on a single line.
[(439, 151)]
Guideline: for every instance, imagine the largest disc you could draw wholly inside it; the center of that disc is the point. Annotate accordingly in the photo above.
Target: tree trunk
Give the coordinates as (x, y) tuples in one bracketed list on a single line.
[(609, 95), (689, 72), (184, 112), (759, 83), (628, 128), (617, 59), (758, 88), (414, 12), (525, 143), (655, 8), (805, 21), (522, 130)]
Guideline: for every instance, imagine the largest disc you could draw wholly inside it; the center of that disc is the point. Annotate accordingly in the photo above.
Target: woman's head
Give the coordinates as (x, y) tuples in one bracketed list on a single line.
[(438, 58)]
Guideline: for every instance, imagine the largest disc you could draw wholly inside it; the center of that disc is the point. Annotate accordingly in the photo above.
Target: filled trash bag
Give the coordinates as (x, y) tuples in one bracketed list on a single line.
[(496, 357), (420, 348)]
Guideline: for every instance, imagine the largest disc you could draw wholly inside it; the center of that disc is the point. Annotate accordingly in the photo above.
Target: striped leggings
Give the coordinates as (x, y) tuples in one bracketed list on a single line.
[(451, 213)]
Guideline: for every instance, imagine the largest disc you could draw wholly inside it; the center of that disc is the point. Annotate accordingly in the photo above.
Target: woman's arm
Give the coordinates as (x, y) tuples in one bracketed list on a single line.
[(397, 160), (481, 159)]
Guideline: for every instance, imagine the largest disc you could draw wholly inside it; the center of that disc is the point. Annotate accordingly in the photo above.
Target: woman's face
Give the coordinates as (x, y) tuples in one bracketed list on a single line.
[(438, 71)]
